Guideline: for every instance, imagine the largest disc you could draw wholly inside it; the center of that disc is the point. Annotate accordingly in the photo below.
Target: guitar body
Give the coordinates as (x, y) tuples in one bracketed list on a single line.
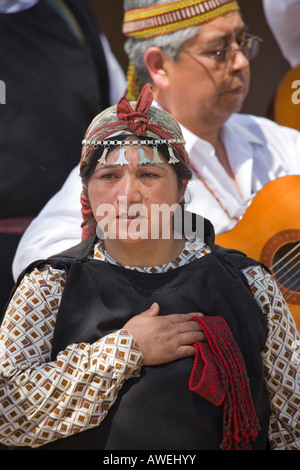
[(270, 232)]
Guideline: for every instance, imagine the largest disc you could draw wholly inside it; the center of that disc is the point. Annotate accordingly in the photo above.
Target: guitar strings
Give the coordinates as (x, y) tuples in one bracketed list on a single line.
[(291, 267), (288, 254), (288, 292), (294, 284)]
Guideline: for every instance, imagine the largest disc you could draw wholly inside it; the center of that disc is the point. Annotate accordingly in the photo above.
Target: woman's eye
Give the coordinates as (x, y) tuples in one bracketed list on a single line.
[(108, 176), (148, 174)]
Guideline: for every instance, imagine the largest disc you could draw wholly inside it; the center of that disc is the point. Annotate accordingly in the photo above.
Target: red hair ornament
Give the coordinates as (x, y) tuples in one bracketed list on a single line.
[(136, 119)]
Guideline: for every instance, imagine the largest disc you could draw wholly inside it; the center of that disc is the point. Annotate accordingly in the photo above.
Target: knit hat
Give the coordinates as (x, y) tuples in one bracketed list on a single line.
[(148, 125), (164, 18)]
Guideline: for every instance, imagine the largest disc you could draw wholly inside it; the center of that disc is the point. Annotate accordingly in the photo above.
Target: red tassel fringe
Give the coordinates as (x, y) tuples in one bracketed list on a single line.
[(219, 375)]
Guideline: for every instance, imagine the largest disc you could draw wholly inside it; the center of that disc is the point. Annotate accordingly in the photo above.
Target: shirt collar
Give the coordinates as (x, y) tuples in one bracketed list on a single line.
[(193, 249), (232, 127)]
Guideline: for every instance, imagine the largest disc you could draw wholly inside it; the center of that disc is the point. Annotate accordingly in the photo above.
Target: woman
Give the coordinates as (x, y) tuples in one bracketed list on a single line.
[(104, 346)]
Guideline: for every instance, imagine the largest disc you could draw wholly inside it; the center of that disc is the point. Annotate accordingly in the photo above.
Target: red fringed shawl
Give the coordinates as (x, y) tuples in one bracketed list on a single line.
[(219, 375)]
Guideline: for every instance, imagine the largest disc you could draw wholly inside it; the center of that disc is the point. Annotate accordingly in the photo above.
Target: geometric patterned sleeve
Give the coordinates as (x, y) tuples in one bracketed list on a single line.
[(281, 359), (43, 400)]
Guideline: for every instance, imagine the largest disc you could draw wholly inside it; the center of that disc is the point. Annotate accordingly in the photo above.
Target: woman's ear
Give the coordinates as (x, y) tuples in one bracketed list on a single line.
[(156, 61)]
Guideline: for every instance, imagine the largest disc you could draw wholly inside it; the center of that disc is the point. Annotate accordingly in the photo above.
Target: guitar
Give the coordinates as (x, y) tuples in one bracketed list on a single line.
[(269, 232)]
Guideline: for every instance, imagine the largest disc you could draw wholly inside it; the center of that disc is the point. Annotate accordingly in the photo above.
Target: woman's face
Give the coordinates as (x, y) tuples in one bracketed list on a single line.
[(134, 202)]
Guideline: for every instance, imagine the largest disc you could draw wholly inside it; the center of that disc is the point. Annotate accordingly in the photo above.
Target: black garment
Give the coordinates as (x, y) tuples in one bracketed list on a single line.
[(55, 85), (8, 246), (157, 410)]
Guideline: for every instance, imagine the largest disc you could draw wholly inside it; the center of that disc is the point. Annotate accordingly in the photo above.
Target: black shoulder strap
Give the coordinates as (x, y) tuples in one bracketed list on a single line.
[(76, 252), (236, 258)]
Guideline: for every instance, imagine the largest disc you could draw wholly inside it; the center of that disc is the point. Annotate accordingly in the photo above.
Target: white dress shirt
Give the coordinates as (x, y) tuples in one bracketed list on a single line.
[(259, 151)]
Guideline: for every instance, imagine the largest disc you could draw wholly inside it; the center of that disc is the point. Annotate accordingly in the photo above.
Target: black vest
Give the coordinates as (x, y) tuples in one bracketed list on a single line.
[(157, 410), (55, 85)]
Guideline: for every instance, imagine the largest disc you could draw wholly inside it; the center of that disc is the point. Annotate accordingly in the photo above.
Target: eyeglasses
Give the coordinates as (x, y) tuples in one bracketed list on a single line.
[(250, 47)]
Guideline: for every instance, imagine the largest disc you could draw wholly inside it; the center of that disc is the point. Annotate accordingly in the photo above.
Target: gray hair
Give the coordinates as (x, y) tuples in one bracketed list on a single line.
[(168, 43)]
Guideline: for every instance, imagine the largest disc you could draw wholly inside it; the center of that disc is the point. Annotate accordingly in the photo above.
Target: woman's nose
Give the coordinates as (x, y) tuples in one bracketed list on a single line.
[(130, 189)]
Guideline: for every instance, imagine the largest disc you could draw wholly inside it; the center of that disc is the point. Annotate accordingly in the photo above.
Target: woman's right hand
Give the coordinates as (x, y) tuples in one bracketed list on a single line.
[(165, 338)]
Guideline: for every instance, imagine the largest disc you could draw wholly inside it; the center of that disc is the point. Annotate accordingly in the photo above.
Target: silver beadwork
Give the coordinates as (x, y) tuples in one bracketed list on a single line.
[(156, 159), (122, 159), (133, 142), (143, 159), (103, 156), (173, 159)]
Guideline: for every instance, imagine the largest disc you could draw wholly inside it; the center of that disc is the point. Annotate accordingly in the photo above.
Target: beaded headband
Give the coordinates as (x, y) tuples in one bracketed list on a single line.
[(143, 159)]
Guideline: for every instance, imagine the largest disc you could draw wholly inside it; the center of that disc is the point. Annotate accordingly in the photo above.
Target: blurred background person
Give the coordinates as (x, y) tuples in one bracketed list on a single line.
[(59, 71)]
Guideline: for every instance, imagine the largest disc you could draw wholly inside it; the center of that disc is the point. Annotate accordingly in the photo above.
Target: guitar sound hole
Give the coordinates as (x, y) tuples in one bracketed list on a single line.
[(286, 266)]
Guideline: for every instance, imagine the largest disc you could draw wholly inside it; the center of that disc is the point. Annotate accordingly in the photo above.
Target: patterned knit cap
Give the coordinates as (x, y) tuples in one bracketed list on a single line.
[(165, 18), (148, 125)]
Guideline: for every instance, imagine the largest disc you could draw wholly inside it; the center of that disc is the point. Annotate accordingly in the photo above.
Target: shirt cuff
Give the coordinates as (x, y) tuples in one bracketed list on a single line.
[(123, 353)]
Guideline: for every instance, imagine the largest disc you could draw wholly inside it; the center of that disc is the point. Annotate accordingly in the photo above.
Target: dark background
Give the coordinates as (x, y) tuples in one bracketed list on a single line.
[(268, 68)]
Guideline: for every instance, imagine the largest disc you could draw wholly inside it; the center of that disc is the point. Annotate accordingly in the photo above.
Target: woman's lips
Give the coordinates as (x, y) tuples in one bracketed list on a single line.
[(129, 218)]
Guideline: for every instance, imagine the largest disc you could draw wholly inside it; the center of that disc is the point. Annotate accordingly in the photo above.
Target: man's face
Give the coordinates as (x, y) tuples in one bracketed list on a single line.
[(199, 93)]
